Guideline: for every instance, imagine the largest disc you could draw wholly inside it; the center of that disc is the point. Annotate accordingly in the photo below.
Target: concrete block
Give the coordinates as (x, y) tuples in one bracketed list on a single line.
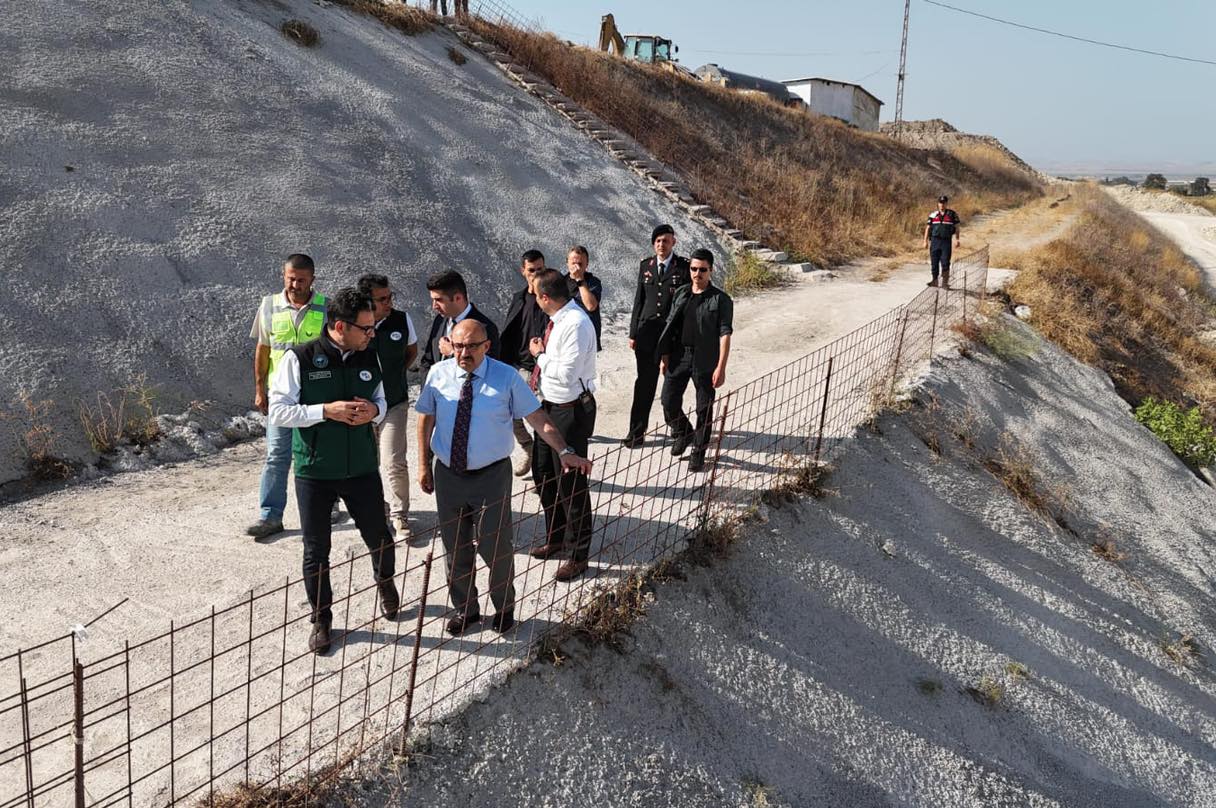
[(800, 267), (773, 256)]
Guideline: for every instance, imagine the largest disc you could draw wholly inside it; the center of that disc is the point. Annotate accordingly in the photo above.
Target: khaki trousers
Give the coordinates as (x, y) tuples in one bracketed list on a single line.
[(394, 460)]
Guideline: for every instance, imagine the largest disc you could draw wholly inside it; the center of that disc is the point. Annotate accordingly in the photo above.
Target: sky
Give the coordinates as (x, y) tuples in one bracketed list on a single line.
[(1064, 106)]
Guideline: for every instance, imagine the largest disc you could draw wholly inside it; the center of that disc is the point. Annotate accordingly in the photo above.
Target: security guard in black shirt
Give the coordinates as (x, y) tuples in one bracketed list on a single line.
[(942, 226), (658, 279)]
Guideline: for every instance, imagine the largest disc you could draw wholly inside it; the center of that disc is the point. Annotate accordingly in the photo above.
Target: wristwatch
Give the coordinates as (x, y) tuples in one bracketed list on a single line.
[(566, 450), (581, 282)]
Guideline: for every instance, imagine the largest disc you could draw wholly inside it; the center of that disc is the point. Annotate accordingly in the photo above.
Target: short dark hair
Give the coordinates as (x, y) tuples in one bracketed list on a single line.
[(581, 250), (370, 282), (346, 305), (449, 282), (301, 261), (532, 255), (703, 255), (551, 283)]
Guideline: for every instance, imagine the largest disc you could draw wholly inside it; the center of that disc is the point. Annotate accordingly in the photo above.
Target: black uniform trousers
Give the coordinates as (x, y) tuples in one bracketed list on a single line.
[(566, 498), (647, 382), (680, 371), (939, 255), (364, 498)]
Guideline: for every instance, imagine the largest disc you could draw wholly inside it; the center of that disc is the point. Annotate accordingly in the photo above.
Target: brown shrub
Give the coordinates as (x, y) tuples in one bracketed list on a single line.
[(804, 183), (1117, 294), (300, 32), (456, 56), (409, 21)]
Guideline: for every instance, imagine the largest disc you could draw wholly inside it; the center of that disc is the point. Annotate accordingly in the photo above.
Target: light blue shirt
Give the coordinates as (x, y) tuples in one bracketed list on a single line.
[(500, 395)]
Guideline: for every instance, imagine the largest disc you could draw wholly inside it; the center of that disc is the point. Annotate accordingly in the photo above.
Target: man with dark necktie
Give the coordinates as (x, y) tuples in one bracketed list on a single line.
[(450, 302), (525, 322), (465, 438), (658, 278)]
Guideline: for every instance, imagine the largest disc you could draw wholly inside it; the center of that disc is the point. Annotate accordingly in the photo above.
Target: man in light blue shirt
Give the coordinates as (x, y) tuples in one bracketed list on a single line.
[(465, 435)]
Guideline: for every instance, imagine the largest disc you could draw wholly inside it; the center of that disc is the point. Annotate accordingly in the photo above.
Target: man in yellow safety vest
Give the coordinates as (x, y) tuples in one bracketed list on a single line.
[(285, 319)]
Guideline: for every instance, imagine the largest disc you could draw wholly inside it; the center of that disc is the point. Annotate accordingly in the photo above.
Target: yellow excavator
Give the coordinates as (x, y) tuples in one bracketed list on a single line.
[(646, 48)]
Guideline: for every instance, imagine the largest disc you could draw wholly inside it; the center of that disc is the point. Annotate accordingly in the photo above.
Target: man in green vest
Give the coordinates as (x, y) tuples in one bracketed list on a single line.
[(286, 319), (396, 343), (329, 393)]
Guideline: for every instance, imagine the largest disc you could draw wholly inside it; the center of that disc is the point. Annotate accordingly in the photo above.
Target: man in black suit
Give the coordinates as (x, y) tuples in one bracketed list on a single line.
[(450, 302), (658, 278), (525, 321)]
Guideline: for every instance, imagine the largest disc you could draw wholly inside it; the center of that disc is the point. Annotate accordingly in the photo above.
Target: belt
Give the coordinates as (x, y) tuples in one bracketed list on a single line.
[(551, 405), (472, 472)]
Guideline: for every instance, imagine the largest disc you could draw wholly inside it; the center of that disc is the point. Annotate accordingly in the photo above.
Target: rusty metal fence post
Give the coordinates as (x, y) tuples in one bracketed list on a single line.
[(899, 349), (823, 411), (965, 288), (933, 328), (707, 500), (78, 730), (409, 694)]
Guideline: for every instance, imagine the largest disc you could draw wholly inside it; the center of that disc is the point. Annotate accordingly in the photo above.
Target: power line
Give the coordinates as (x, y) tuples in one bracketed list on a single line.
[(1070, 36), (787, 53)]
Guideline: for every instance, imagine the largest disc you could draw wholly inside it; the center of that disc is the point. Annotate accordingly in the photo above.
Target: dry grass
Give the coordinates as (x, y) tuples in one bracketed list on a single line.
[(1208, 202), (456, 56), (1116, 294), (128, 414), (398, 16), (1014, 468), (806, 184), (300, 32), (1105, 549), (1182, 649), (29, 420), (748, 274), (988, 691), (989, 161)]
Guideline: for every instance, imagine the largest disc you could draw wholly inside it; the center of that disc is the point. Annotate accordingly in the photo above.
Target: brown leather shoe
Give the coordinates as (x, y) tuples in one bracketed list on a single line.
[(390, 601), (546, 551), (570, 570), (318, 640)]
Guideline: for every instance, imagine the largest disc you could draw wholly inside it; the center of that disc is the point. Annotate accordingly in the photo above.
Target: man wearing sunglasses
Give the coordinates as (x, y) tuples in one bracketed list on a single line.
[(694, 346), (396, 345), (330, 392)]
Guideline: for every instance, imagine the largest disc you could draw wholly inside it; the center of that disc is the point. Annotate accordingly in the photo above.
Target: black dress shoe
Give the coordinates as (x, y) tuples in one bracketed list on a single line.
[(318, 640), (461, 623), (390, 601), (632, 442), (503, 621), (680, 444), (546, 551), (696, 461)]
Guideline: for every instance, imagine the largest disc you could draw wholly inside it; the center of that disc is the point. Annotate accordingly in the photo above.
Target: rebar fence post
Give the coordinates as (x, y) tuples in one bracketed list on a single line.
[(823, 411), (706, 502), (409, 694), (899, 349), (965, 287), (933, 328), (26, 734), (78, 729)]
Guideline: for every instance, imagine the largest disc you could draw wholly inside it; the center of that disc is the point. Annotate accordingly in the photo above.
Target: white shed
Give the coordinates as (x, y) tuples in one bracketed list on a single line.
[(851, 103)]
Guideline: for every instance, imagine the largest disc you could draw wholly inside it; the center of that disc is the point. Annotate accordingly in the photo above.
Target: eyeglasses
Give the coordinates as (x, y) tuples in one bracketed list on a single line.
[(468, 346), (368, 330), (698, 270)]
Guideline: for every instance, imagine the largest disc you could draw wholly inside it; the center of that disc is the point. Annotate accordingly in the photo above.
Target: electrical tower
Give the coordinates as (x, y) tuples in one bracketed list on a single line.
[(903, 65)]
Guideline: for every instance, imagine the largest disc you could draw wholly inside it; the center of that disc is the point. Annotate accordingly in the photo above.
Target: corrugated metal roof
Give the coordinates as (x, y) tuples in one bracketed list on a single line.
[(833, 81), (742, 81)]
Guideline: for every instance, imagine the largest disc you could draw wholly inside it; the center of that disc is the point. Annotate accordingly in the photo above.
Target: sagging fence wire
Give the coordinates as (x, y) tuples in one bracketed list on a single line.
[(232, 704)]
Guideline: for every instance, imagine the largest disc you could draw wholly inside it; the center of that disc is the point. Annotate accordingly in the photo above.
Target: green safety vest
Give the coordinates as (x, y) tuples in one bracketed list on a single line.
[(332, 450), (282, 325)]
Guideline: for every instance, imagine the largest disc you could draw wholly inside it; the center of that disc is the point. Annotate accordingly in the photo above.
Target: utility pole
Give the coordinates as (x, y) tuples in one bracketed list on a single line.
[(903, 65)]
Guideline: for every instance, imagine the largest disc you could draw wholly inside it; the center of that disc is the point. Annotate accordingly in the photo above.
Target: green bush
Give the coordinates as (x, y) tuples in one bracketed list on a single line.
[(1182, 430), (749, 274)]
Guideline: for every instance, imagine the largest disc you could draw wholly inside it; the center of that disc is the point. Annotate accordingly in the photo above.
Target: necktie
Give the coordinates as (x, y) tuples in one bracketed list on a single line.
[(534, 382), (460, 430)]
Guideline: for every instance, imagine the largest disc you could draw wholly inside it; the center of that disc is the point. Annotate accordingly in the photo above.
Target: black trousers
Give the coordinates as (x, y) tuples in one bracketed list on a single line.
[(680, 371), (364, 498), (647, 382), (939, 255), (566, 498)]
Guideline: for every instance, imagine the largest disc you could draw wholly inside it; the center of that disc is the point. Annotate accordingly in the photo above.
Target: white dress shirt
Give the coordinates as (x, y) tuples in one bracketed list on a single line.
[(285, 407), (452, 321), (567, 367)]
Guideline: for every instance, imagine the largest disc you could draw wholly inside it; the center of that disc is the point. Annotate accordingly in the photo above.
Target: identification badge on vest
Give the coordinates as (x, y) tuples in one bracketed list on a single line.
[(319, 374), (395, 337), (320, 360), (365, 375)]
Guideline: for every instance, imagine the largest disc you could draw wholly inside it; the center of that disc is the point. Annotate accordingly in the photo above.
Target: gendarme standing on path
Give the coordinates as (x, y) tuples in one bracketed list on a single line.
[(942, 227), (285, 319)]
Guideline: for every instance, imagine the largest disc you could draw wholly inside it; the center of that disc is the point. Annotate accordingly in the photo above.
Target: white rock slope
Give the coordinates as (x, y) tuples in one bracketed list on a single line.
[(161, 159), (815, 668)]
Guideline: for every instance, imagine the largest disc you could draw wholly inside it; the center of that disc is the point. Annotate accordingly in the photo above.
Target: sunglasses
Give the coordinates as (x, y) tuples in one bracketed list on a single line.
[(368, 330), (698, 270)]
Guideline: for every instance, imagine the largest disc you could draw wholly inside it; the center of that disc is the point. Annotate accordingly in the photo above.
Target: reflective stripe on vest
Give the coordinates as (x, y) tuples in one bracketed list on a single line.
[(283, 332)]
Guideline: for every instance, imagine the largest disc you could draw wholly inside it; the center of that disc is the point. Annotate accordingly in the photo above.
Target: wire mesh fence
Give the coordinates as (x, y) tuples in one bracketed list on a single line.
[(232, 702)]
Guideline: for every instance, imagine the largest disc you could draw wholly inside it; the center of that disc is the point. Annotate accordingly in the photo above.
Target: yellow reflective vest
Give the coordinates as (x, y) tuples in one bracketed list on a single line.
[(281, 324)]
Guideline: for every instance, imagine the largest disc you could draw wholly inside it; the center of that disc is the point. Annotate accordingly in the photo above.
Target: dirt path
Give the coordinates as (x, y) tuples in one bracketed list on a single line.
[(1195, 235)]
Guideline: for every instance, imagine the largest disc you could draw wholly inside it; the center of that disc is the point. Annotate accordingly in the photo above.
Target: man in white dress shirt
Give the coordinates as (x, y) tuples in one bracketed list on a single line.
[(564, 377), (329, 392)]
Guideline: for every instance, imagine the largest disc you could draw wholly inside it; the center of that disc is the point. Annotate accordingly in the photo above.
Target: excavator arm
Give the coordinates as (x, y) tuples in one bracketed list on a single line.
[(610, 38)]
